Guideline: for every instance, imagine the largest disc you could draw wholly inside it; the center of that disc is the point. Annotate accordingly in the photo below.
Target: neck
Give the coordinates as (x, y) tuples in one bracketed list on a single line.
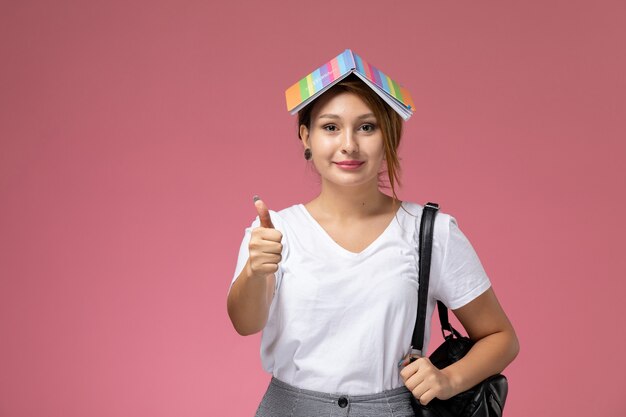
[(352, 202)]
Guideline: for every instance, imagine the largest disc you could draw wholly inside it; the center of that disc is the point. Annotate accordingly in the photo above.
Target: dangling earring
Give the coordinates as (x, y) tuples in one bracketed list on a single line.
[(307, 154)]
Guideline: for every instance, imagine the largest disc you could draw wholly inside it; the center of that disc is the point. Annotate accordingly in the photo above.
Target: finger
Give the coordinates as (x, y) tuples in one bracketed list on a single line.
[(427, 397), (422, 362), (408, 369), (274, 236), (415, 380), (264, 214), (420, 390), (272, 258)]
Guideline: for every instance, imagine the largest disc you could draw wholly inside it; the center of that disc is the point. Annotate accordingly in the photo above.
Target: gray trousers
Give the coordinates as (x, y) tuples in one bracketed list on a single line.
[(284, 400)]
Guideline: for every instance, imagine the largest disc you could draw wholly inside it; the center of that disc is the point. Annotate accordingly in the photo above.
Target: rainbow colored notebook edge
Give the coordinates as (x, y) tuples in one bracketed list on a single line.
[(317, 82)]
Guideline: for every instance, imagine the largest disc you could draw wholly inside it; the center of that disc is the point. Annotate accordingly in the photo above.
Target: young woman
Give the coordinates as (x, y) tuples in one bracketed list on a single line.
[(332, 283)]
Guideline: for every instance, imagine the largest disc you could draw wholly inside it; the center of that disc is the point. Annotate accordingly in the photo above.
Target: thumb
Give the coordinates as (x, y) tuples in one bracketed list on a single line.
[(264, 214)]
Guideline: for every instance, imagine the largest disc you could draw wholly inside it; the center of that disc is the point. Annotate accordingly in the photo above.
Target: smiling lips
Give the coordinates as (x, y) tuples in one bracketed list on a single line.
[(350, 164)]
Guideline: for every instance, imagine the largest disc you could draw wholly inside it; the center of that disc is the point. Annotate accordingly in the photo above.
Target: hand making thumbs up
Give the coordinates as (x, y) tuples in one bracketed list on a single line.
[(265, 247)]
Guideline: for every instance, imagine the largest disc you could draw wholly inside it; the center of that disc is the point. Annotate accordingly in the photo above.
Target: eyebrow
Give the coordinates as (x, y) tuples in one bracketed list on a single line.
[(334, 116)]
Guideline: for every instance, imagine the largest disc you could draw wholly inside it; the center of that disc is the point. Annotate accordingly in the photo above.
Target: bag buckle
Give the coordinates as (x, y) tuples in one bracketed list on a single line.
[(415, 354)]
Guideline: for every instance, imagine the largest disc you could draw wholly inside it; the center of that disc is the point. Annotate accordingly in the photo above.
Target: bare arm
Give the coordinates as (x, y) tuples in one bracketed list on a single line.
[(249, 301), (496, 346), (252, 292), (496, 342)]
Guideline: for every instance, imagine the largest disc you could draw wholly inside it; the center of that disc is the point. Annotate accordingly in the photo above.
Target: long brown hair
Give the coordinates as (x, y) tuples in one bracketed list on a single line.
[(389, 120)]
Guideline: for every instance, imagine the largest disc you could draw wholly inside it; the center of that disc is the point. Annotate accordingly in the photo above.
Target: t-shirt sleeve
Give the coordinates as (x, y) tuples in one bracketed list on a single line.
[(463, 277), (244, 251)]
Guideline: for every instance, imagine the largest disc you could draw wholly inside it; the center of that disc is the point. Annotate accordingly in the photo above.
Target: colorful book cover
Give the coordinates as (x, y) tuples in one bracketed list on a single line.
[(314, 84)]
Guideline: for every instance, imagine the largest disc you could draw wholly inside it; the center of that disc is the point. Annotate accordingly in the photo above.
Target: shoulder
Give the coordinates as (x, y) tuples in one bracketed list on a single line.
[(290, 212), (444, 222), (289, 215)]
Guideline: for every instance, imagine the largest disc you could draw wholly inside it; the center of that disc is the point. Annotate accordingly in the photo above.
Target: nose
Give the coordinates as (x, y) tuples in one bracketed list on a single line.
[(348, 143)]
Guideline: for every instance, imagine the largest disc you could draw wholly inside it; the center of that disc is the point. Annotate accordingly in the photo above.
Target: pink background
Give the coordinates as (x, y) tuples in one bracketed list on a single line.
[(134, 134)]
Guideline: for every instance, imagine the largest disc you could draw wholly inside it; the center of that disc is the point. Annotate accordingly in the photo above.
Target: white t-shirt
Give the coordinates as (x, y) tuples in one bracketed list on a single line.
[(340, 321)]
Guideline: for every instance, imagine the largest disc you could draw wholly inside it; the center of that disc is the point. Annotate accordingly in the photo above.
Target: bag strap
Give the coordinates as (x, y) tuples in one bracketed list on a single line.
[(427, 224), (445, 324)]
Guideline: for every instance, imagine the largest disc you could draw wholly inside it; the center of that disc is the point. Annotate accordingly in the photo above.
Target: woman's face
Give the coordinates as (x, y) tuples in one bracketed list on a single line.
[(345, 140)]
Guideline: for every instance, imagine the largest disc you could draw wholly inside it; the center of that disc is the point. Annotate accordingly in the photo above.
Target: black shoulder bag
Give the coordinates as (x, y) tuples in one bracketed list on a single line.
[(483, 400)]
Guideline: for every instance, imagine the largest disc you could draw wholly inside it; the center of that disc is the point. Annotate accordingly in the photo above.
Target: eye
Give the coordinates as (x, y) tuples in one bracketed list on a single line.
[(329, 128), (368, 127)]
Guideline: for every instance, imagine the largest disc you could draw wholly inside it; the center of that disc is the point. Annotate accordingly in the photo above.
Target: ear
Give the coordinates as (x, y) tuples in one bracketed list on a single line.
[(304, 136)]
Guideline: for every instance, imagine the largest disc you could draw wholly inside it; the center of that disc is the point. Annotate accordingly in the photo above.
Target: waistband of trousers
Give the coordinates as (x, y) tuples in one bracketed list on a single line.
[(395, 392)]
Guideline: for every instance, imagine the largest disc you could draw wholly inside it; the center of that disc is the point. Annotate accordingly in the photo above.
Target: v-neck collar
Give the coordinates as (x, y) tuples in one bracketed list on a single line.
[(340, 248)]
